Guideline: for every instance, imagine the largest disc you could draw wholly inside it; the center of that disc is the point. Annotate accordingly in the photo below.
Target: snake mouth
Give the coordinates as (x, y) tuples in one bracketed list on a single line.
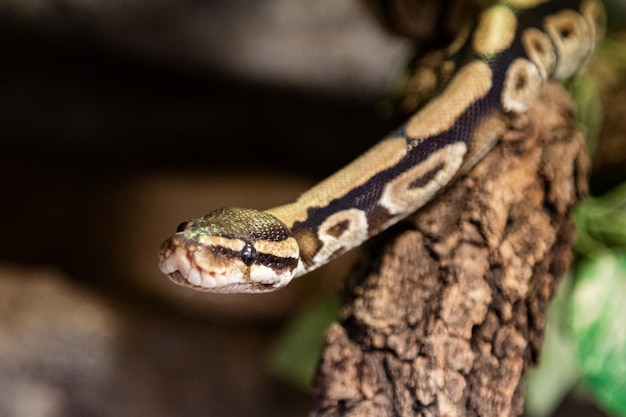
[(205, 282), (178, 278), (180, 267), (185, 267), (216, 264)]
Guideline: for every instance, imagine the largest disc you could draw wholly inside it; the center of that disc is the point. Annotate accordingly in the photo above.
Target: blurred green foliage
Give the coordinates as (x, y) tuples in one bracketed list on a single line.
[(296, 353)]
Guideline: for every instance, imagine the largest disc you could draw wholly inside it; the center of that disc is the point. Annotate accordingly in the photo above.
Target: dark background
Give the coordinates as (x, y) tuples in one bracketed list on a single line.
[(120, 119)]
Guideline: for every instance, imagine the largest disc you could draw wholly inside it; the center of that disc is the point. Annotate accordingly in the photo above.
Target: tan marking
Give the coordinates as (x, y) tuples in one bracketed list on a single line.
[(338, 229), (446, 71), (524, 4), (214, 241), (419, 86), (571, 35), (460, 40), (486, 134), (538, 47), (400, 199), (382, 156), (209, 261), (287, 248), (495, 31), (521, 85), (355, 233), (471, 83), (309, 245), (594, 14)]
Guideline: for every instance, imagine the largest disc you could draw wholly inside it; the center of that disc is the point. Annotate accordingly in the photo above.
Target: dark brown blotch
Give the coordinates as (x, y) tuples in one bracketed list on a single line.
[(309, 244), (427, 177), (566, 31), (520, 81), (339, 229)]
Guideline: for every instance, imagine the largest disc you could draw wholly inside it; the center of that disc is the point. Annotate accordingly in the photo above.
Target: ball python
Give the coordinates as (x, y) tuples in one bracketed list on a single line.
[(493, 69)]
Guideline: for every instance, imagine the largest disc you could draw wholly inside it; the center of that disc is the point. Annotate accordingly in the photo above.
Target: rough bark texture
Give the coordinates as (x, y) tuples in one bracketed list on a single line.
[(450, 313)]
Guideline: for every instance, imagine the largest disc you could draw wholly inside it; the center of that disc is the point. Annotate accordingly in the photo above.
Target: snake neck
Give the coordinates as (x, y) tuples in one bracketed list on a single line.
[(497, 70)]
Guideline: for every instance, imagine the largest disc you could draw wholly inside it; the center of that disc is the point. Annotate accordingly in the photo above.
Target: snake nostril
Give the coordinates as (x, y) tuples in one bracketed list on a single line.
[(181, 227)]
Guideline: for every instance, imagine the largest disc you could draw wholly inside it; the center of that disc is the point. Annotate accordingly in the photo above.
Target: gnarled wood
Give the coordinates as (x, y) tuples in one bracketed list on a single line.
[(451, 314)]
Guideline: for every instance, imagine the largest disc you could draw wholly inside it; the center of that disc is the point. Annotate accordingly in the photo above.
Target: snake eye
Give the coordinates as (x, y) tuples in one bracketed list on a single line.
[(181, 227), (248, 254)]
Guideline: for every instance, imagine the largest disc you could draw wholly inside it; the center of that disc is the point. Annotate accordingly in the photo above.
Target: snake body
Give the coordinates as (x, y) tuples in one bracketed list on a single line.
[(493, 69)]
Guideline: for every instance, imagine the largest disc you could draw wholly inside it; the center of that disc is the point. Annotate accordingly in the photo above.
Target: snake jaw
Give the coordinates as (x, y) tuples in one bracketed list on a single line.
[(191, 265), (177, 266), (204, 257)]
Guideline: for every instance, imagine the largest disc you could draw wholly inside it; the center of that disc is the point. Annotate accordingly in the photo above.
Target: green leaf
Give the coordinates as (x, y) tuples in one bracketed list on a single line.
[(585, 92), (295, 355), (549, 383), (601, 223), (598, 324)]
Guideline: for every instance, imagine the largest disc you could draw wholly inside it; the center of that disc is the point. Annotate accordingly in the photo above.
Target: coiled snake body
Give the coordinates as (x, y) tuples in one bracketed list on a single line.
[(495, 69)]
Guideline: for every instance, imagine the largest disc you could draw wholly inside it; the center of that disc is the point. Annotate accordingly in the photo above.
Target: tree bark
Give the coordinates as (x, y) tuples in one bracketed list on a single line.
[(447, 311)]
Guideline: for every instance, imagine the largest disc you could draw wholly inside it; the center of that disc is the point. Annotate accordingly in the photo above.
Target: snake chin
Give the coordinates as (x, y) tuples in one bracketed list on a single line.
[(182, 272), (208, 283)]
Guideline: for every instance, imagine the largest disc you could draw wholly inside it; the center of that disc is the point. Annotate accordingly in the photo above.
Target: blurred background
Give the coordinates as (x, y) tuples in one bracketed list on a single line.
[(120, 119)]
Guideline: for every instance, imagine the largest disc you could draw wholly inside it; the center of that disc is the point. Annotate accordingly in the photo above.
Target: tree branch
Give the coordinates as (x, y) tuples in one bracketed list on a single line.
[(451, 313)]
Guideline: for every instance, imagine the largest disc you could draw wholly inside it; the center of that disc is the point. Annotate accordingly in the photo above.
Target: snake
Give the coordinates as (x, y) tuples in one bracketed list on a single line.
[(493, 69)]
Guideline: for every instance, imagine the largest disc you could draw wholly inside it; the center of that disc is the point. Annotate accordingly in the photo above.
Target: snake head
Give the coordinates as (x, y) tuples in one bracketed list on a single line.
[(231, 250)]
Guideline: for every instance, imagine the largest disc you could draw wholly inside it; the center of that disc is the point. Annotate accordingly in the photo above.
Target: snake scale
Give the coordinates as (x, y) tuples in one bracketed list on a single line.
[(493, 69)]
